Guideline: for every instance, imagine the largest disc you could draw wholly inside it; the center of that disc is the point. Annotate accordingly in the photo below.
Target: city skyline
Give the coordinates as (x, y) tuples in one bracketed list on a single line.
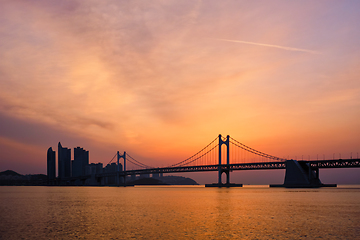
[(160, 80)]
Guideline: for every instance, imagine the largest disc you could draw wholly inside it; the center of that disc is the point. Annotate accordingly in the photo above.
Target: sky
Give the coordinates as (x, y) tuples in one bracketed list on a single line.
[(161, 79)]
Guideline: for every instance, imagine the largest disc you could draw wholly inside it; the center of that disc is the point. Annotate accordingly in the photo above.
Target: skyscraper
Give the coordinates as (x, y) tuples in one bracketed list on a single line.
[(64, 162), (51, 172), (81, 160)]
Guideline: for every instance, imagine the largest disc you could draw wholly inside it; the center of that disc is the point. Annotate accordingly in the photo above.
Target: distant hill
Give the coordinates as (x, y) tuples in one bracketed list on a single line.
[(167, 180), (9, 173), (178, 180), (12, 178), (147, 181)]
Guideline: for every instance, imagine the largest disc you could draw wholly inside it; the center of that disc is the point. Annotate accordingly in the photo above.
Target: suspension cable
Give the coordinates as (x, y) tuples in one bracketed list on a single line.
[(138, 163), (135, 163), (112, 159), (254, 151), (183, 162), (199, 156)]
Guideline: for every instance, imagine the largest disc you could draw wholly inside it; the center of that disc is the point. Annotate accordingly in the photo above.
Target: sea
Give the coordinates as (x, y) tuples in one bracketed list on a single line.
[(179, 212)]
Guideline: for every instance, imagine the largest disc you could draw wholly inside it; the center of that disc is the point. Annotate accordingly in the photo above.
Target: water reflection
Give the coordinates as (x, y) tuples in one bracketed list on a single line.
[(177, 212)]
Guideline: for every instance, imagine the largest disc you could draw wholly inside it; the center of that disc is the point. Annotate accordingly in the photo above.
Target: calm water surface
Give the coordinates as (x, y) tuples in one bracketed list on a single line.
[(179, 213)]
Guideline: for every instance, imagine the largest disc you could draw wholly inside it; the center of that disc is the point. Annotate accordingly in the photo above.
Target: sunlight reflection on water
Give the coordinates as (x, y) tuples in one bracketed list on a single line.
[(179, 212)]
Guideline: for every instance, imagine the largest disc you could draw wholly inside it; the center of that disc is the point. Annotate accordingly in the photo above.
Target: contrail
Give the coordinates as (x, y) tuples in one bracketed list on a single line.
[(274, 46)]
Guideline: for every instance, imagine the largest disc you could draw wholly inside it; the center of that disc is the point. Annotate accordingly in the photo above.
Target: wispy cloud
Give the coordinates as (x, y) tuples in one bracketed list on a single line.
[(119, 75), (273, 46)]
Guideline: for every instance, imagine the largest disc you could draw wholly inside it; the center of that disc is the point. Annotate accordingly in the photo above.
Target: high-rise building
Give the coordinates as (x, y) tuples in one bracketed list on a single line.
[(94, 168), (51, 172), (111, 168), (64, 162), (81, 160)]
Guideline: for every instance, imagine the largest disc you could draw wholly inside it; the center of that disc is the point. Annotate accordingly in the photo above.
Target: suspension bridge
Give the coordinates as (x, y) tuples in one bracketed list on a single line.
[(224, 155)]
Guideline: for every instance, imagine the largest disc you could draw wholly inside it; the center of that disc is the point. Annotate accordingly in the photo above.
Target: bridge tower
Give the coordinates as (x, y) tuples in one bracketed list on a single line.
[(220, 169), (123, 156), (300, 174)]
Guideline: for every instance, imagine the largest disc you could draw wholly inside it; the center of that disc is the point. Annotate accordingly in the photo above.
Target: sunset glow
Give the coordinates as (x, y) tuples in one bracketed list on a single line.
[(162, 79)]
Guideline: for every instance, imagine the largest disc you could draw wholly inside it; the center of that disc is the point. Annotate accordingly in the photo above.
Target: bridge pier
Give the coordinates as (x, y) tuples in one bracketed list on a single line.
[(220, 170), (227, 177), (300, 174), (224, 168), (227, 173), (119, 183)]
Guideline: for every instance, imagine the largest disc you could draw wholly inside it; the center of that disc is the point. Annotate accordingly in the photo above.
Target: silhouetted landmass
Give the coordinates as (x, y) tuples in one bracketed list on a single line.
[(147, 181), (12, 178), (167, 180), (9, 173), (178, 180)]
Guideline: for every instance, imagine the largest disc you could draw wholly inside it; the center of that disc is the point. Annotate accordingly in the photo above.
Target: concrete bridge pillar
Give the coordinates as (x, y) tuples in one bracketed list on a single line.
[(118, 168), (228, 177), (225, 168), (300, 174), (220, 171)]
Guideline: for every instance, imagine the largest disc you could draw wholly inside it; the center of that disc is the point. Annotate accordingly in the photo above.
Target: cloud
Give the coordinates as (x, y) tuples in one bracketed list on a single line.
[(272, 46), (145, 77)]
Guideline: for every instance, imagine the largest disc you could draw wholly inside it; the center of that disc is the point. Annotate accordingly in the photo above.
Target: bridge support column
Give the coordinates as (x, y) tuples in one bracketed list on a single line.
[(221, 142), (227, 177), (224, 168), (300, 174), (119, 170)]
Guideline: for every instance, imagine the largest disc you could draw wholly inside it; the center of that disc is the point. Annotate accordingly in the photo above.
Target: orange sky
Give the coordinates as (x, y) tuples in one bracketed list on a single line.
[(161, 80)]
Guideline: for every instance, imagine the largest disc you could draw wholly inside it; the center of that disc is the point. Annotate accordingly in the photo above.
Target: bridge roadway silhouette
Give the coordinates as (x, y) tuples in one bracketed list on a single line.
[(298, 173)]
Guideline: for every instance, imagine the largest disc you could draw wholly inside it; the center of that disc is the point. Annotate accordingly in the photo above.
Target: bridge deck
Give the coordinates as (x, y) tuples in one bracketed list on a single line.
[(339, 163)]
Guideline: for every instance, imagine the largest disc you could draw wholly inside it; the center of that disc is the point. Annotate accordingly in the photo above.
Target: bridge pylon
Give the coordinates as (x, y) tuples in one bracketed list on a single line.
[(220, 169), (123, 156), (300, 174), (224, 168)]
